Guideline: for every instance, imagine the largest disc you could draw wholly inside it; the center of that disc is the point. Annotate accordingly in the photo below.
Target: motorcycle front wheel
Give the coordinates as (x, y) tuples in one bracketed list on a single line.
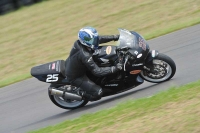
[(163, 67)]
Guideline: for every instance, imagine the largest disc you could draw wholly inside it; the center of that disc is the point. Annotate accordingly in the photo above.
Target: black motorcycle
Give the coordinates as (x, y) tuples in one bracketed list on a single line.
[(132, 50)]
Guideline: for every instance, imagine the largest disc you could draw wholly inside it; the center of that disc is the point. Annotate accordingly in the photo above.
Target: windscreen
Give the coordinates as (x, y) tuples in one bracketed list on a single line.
[(126, 39), (137, 44)]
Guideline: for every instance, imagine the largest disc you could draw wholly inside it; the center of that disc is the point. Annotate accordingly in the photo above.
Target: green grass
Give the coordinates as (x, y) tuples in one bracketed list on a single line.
[(46, 31), (176, 110)]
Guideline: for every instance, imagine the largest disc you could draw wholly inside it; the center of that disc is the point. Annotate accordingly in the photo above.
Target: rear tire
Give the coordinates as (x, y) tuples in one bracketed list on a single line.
[(163, 64), (66, 104)]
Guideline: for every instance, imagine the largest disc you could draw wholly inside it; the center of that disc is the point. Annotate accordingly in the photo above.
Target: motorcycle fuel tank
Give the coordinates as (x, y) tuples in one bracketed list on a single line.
[(105, 55)]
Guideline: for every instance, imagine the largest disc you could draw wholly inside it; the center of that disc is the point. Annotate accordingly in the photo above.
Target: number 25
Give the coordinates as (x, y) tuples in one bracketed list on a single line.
[(52, 78)]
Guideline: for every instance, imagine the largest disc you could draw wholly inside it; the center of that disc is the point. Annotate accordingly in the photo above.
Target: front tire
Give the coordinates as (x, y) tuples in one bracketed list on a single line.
[(66, 104), (165, 69)]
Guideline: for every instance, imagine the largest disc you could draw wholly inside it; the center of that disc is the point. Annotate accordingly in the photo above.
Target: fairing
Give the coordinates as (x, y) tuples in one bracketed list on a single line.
[(137, 44)]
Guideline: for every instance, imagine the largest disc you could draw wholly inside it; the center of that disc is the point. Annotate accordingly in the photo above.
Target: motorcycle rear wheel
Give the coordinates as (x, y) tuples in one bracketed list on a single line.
[(66, 104), (165, 69)]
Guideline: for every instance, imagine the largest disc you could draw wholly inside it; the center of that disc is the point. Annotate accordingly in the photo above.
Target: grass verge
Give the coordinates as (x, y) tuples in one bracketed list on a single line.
[(46, 31), (176, 110)]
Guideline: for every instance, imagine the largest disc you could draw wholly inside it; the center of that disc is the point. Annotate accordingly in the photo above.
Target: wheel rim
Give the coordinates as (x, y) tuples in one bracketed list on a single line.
[(67, 103), (164, 71)]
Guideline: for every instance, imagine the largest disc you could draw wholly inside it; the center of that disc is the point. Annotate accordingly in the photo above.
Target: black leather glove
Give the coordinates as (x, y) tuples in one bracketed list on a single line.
[(119, 66), (116, 68), (115, 37)]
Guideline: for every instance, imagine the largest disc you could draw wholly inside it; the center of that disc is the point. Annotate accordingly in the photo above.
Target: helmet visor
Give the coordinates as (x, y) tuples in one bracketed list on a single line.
[(94, 42)]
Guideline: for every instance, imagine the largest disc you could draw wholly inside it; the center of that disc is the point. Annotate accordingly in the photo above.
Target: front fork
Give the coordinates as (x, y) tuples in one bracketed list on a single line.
[(149, 61), (151, 55)]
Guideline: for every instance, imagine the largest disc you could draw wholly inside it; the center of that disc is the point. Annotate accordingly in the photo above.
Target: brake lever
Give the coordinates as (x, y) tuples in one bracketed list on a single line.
[(126, 59)]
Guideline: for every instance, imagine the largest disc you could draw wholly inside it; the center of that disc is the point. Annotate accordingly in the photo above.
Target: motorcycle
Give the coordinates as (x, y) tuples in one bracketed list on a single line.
[(139, 64)]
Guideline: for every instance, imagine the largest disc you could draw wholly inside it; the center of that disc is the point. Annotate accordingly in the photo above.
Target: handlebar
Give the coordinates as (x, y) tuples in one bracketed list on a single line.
[(122, 49), (124, 55)]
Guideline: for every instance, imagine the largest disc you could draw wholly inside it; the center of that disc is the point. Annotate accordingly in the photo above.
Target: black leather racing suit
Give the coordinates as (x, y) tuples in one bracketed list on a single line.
[(80, 60)]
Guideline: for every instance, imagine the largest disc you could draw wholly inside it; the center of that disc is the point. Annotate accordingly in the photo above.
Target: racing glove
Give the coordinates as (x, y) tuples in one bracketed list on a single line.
[(117, 68), (115, 37)]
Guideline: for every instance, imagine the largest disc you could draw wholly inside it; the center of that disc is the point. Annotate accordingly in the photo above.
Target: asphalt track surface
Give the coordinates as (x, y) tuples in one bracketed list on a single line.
[(25, 106)]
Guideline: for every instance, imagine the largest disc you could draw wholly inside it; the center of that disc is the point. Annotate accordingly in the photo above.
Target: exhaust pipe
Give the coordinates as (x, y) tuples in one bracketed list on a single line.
[(65, 95)]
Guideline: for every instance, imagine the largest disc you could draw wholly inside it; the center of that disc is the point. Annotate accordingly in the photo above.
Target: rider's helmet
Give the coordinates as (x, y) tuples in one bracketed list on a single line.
[(89, 37)]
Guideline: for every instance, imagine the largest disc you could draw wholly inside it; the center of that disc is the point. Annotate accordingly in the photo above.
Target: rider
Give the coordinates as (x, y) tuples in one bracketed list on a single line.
[(80, 59)]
